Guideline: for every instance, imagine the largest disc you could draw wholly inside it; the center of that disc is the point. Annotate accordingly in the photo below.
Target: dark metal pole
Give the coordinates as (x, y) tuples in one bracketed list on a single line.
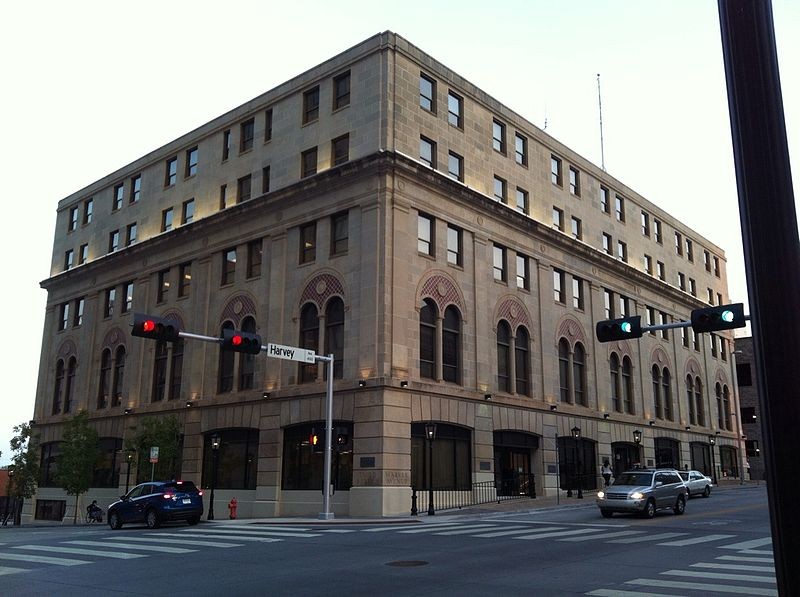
[(213, 483), (128, 474), (431, 511), (771, 253), (713, 466), (580, 470)]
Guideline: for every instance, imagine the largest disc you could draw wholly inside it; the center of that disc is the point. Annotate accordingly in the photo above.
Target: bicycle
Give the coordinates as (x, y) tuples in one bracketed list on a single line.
[(94, 516)]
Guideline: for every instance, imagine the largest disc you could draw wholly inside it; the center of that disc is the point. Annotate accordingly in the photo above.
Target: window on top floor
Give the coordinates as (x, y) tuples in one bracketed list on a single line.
[(130, 234), (499, 136), (73, 219), (166, 220), (247, 132), (716, 266), (171, 172), (427, 93), (558, 219), (187, 211), (499, 189), (118, 197), (678, 244), (520, 150), (455, 166), (308, 162), (645, 224), (113, 241), (555, 170), (522, 201), (341, 90), (69, 259), (88, 209), (226, 144), (136, 188), (268, 125), (657, 231), (604, 204), (574, 181), (577, 228), (191, 162), (455, 110), (689, 250), (244, 188), (620, 208), (83, 254)]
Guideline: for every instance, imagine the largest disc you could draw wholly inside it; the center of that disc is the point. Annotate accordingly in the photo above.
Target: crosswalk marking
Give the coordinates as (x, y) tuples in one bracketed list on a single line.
[(391, 528), (694, 540), (20, 557), (605, 536), (750, 544), (339, 531), (159, 548), (648, 538), (467, 531), (720, 576), (746, 559), (756, 552), (735, 567), (220, 536), (560, 534), (9, 570), (674, 584), (432, 529), (260, 527), (181, 541), (119, 555), (518, 531), (617, 593), (258, 533)]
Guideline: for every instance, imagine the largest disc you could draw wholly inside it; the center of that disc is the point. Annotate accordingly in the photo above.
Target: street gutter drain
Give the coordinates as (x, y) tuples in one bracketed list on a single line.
[(407, 563)]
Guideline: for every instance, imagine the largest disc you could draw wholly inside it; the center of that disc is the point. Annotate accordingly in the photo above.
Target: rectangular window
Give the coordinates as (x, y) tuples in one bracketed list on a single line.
[(455, 166), (499, 136), (69, 259), (191, 162), (171, 172), (228, 266), (130, 234), (63, 320), (83, 254), (427, 151), (608, 303), (108, 304), (340, 149), (113, 241), (695, 340), (247, 131), (425, 234), (604, 205), (244, 188), (744, 377), (187, 211), (522, 201), (689, 250), (226, 144), (254, 248), (685, 337), (166, 220), (645, 224), (661, 271), (657, 230), (265, 179), (311, 105), (455, 109), (163, 286), (651, 318), (692, 287), (648, 264), (73, 219), (558, 219), (558, 286), (499, 263), (523, 272), (710, 300), (555, 170), (716, 266), (520, 149), (184, 279), (127, 297), (607, 243), (620, 202), (719, 299), (308, 242), (712, 340), (574, 181), (678, 244), (339, 234), (663, 319), (577, 228), (308, 162), (682, 281), (341, 90), (454, 250), (624, 306), (268, 125), (427, 93), (88, 208), (750, 446), (577, 293), (499, 189), (119, 197), (136, 188), (622, 251), (223, 196)]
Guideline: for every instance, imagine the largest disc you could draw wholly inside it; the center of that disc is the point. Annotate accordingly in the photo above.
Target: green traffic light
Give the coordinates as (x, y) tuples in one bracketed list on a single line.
[(727, 316), (625, 326)]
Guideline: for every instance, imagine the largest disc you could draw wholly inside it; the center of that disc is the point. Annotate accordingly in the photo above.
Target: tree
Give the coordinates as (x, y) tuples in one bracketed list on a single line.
[(75, 464), (24, 464), (164, 433)]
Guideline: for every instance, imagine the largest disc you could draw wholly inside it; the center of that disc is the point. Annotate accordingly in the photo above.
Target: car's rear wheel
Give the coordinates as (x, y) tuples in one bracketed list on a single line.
[(606, 513), (649, 509), (680, 505), (114, 521), (707, 491), (151, 518), (193, 520)]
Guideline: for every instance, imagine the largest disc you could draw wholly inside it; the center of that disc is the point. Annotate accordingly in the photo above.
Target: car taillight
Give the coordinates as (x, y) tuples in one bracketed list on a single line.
[(169, 496), (200, 493)]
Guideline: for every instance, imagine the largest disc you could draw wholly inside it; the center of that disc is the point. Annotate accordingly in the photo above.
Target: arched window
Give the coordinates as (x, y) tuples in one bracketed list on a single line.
[(659, 411), (247, 362), (226, 363), (720, 413), (726, 405), (579, 374), (451, 345), (666, 384), (309, 339), (119, 376), (427, 339), (58, 387), (160, 371), (564, 381), (176, 370), (334, 336), (503, 357), (304, 463), (72, 366), (627, 385), (237, 459), (690, 399), (104, 387), (698, 398), (522, 364), (616, 393)]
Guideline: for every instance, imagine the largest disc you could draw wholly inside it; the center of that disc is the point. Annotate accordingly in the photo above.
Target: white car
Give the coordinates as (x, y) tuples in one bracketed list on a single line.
[(696, 483)]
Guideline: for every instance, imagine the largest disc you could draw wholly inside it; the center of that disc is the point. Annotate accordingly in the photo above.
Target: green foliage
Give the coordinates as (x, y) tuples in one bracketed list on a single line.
[(24, 462), (164, 432), (75, 464)]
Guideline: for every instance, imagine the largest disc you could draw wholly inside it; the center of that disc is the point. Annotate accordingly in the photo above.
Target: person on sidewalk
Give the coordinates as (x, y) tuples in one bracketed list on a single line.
[(606, 471)]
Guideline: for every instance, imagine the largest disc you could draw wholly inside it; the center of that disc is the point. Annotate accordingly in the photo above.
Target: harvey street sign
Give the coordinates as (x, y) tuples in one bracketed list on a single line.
[(290, 353)]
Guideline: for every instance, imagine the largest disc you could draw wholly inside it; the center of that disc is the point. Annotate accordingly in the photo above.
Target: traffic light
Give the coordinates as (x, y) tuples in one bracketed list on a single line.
[(316, 441), (155, 328), (241, 341), (619, 329), (722, 317)]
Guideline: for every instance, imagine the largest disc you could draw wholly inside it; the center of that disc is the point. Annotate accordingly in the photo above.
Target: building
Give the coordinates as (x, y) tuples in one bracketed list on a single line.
[(451, 255), (749, 407)]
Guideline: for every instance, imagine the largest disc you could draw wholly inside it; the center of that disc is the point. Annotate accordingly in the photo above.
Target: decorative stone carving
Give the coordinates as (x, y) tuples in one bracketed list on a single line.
[(320, 288)]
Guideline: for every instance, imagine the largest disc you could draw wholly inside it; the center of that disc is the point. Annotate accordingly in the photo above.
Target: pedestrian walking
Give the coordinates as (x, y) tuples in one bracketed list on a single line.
[(606, 471)]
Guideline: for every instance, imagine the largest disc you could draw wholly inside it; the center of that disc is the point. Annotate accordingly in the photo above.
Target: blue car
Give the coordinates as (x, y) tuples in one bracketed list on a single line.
[(157, 502)]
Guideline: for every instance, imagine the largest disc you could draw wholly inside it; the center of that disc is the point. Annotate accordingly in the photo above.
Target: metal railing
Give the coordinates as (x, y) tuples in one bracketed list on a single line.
[(520, 486)]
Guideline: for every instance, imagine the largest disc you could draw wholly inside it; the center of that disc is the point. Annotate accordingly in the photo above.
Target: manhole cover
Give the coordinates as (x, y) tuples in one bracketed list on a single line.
[(407, 563)]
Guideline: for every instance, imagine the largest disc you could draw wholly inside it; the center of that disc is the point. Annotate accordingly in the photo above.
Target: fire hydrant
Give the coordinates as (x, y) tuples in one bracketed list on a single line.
[(232, 508)]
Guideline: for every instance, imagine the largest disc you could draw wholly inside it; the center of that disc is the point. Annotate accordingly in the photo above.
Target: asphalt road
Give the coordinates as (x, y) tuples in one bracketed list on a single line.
[(721, 546)]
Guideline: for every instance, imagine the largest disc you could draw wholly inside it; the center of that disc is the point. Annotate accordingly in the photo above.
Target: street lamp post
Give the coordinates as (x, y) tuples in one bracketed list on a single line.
[(712, 439), (129, 456), (637, 439), (8, 496), (430, 434), (576, 434), (215, 456)]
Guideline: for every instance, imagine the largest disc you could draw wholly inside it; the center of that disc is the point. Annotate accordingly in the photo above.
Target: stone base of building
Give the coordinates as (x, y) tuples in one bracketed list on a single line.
[(380, 501)]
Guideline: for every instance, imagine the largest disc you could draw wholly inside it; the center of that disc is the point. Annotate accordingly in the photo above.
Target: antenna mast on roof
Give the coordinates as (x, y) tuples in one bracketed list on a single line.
[(600, 107)]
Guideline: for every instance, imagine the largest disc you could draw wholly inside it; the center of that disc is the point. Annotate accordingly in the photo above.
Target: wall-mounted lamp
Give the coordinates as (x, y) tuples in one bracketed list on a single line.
[(717, 432), (127, 411), (189, 404), (487, 396), (651, 423), (553, 407), (404, 383), (687, 428), (265, 395), (606, 415), (637, 437), (362, 383)]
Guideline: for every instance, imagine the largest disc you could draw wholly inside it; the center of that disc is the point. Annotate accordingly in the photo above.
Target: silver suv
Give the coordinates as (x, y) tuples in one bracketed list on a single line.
[(643, 491)]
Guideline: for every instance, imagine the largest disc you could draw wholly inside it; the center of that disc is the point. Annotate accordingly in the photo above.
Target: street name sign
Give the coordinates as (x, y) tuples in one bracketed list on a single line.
[(154, 454), (290, 353)]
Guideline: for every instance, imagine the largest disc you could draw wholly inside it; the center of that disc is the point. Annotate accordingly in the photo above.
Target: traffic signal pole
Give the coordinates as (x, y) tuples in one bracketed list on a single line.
[(326, 513), (771, 254)]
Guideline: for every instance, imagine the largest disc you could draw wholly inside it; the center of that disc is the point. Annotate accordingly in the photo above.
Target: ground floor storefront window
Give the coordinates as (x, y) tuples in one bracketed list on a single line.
[(237, 459), (304, 456), (450, 466)]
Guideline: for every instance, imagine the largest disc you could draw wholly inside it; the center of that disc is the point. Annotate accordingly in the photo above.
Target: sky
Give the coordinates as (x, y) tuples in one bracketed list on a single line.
[(91, 86)]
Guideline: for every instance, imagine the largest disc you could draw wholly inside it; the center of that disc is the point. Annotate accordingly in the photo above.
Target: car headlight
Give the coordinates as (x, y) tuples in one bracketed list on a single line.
[(601, 494), (637, 495)]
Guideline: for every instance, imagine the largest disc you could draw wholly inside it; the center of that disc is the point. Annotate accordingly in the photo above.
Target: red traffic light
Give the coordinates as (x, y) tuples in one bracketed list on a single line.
[(155, 328), (237, 341), (148, 325)]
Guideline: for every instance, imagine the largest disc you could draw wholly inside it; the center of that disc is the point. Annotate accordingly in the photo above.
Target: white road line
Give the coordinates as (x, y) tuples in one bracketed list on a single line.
[(756, 552), (520, 531), (693, 540), (560, 534), (617, 593), (605, 536), (673, 584), (468, 531), (735, 567), (429, 529), (220, 536), (260, 533), (162, 549), (24, 557), (749, 544), (253, 527), (9, 570), (746, 559), (339, 531), (648, 538), (441, 525), (120, 555), (720, 576), (181, 541)]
